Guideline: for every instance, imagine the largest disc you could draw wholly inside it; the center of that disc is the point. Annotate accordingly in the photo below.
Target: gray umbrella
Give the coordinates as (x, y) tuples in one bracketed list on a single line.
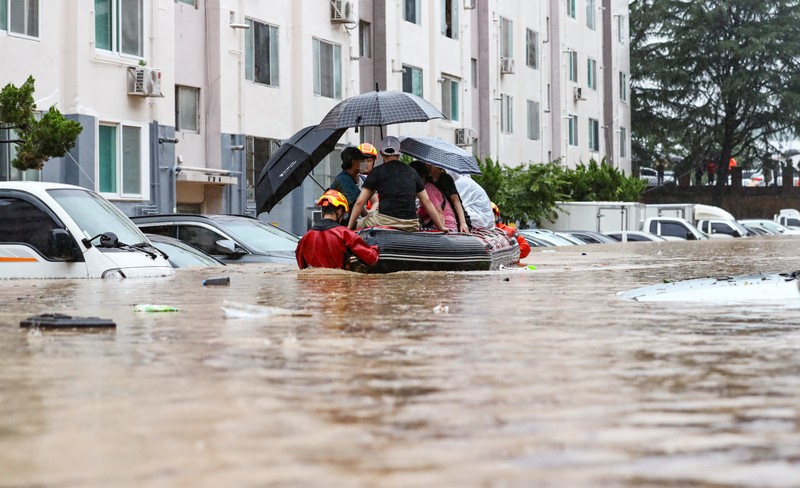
[(441, 153), (379, 108)]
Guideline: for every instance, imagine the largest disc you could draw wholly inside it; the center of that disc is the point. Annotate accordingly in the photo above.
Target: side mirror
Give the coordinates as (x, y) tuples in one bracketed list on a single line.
[(63, 246), (228, 248)]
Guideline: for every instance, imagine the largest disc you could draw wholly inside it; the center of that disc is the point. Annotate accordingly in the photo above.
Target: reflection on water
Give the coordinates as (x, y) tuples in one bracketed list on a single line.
[(533, 378)]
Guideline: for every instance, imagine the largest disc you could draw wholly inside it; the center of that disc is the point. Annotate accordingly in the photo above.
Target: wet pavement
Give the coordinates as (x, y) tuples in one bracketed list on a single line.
[(523, 378)]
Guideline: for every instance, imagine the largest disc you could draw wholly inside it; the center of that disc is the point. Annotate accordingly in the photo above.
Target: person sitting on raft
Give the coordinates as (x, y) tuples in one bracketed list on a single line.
[(329, 244), (524, 247), (445, 183), (438, 199), (398, 186)]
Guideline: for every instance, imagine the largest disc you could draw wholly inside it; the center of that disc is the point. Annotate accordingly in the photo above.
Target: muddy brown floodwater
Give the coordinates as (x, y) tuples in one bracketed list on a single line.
[(524, 378)]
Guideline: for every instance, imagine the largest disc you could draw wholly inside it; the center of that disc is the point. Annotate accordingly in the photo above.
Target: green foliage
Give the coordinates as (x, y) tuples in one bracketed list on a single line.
[(530, 192), (713, 80), (38, 140)]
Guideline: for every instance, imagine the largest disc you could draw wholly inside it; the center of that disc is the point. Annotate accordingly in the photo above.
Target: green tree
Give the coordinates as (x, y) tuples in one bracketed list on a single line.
[(602, 182), (713, 79), (37, 140)]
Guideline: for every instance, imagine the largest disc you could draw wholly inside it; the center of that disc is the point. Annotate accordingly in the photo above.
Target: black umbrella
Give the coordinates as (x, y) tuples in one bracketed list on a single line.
[(294, 160), (441, 153), (379, 108)]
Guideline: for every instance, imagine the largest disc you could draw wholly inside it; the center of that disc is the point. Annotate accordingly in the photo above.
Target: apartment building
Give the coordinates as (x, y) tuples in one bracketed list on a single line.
[(183, 101)]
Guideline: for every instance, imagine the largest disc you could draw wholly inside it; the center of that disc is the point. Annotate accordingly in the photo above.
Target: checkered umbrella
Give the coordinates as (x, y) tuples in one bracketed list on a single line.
[(378, 108), (292, 163), (441, 153)]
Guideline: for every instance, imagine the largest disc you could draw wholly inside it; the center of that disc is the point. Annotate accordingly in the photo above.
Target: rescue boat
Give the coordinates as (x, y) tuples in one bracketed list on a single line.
[(438, 251)]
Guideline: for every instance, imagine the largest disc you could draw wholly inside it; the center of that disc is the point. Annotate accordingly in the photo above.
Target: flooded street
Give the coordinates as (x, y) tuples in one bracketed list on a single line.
[(524, 378)]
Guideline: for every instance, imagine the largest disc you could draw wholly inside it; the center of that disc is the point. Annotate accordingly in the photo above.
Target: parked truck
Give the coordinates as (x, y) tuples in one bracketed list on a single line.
[(788, 217), (597, 216)]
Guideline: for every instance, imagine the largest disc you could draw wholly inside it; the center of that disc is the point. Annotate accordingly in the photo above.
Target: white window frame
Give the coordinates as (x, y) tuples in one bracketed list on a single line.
[(594, 135), (533, 121), (182, 91), (144, 158), (623, 142), (454, 25), (591, 73), (572, 66), (506, 38), (451, 87), (365, 39), (409, 71), (571, 9), (591, 9), (8, 151), (115, 48), (336, 68), (417, 12), (251, 168), (506, 114), (623, 86), (532, 48), (28, 5), (572, 129), (272, 56), (620, 28)]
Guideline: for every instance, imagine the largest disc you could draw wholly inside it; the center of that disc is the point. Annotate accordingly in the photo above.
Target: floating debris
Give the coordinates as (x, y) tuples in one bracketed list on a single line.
[(441, 309), (61, 321), (221, 281), (148, 307), (234, 310)]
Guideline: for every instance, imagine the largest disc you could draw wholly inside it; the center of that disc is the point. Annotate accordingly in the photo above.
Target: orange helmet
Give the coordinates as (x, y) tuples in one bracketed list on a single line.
[(368, 150), (333, 198), (495, 209)]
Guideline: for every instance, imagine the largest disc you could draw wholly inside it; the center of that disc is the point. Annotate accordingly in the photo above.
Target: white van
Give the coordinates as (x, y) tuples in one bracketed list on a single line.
[(52, 230)]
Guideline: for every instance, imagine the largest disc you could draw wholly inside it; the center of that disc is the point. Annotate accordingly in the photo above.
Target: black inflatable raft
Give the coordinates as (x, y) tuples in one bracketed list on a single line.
[(437, 251)]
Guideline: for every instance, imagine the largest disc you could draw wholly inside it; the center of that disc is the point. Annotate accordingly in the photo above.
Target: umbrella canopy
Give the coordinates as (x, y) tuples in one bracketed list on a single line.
[(294, 160), (379, 108), (441, 153)]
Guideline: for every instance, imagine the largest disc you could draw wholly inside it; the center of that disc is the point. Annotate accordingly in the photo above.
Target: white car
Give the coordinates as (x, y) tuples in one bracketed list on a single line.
[(52, 230), (650, 175), (635, 236), (771, 226), (548, 236)]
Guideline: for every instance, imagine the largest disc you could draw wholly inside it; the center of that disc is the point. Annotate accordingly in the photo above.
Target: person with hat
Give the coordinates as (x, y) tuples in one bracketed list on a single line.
[(399, 186), (346, 182), (524, 247), (369, 156), (329, 244)]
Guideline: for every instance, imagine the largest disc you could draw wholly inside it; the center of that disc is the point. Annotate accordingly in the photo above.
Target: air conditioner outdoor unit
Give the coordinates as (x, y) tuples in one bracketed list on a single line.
[(506, 66), (465, 137), (469, 4), (144, 81), (577, 93), (340, 11)]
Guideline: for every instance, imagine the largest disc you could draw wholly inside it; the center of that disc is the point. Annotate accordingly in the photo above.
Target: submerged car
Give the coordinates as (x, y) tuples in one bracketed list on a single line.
[(590, 237), (635, 236), (771, 226), (548, 236), (232, 239), (182, 255), (53, 230)]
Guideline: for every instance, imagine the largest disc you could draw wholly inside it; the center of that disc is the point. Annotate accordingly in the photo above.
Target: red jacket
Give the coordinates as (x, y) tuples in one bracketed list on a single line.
[(327, 245), (524, 247)]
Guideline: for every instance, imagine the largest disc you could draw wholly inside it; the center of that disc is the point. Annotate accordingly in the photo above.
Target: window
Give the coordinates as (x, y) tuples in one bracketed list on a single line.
[(8, 151), (202, 238), (620, 28), (261, 53), (412, 80), (327, 69), (594, 135), (572, 65), (119, 26), (20, 17), (187, 104), (450, 18), (623, 142), (573, 130), (119, 159), (506, 114), (506, 38), (474, 63), (591, 75), (590, 14), (672, 229), (450, 97), (533, 120), (364, 40), (259, 150), (24, 223), (412, 11), (571, 10), (623, 86), (189, 2), (532, 49)]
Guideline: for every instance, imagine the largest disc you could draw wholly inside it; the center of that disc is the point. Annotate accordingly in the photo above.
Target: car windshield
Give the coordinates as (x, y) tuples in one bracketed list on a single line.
[(259, 236), (184, 256), (95, 215)]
